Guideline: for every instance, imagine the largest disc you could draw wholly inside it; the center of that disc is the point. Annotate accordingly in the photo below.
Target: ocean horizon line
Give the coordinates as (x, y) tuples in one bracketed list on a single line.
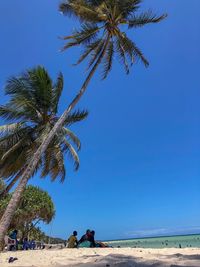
[(151, 237)]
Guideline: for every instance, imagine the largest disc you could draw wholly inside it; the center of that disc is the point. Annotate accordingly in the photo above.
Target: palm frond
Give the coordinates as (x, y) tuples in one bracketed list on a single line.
[(138, 54), (69, 45), (53, 163), (122, 54), (25, 106), (67, 8), (12, 181), (14, 163), (125, 8), (86, 35), (145, 18), (54, 169), (88, 50), (72, 153), (40, 80), (9, 113), (132, 50), (57, 91), (108, 59), (76, 116), (30, 94), (10, 128), (12, 149), (46, 160), (60, 163), (21, 93), (18, 86), (98, 53), (80, 9), (73, 137), (12, 138)]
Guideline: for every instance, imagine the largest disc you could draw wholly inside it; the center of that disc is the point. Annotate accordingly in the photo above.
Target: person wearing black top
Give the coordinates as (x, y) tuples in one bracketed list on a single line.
[(91, 239), (89, 236), (85, 237)]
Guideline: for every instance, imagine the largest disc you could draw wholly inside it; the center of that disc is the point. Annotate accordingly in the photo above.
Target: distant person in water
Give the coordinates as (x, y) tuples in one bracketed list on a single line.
[(72, 241)]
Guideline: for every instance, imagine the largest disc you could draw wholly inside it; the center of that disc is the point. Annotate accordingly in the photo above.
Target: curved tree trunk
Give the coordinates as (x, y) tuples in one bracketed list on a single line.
[(11, 184), (10, 210)]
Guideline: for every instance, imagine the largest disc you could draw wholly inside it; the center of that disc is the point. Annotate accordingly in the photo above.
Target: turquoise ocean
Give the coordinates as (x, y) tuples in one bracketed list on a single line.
[(159, 242)]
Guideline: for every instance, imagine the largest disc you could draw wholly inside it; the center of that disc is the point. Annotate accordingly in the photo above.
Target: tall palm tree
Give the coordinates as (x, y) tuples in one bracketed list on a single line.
[(33, 106), (102, 33), (35, 109)]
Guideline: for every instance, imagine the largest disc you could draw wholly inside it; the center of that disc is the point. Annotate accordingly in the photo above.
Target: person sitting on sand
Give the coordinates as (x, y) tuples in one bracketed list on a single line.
[(32, 244), (95, 243), (72, 241), (88, 241), (91, 239), (85, 241), (85, 237), (13, 236), (26, 244)]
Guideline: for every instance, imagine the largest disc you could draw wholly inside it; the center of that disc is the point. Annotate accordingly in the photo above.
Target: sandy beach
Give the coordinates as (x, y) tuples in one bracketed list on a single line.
[(119, 257)]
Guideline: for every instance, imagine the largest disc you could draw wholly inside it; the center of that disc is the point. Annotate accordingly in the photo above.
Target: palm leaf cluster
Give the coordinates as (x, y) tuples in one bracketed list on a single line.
[(102, 30), (33, 109)]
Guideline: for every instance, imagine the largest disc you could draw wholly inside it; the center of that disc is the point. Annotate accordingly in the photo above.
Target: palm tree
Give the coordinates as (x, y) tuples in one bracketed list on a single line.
[(102, 34), (33, 106), (102, 31), (20, 140)]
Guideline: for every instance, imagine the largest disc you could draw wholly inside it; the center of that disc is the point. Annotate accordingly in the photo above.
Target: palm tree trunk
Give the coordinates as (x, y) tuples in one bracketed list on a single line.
[(10, 210), (11, 184)]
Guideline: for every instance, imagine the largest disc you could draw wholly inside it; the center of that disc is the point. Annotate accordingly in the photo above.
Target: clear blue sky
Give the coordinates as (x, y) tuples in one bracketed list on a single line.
[(140, 158)]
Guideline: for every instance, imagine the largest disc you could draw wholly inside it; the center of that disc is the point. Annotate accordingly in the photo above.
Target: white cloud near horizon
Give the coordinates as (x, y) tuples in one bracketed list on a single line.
[(162, 232)]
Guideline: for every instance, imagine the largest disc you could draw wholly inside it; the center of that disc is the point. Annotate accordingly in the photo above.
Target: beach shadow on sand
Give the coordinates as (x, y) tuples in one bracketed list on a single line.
[(113, 260), (186, 257), (120, 260)]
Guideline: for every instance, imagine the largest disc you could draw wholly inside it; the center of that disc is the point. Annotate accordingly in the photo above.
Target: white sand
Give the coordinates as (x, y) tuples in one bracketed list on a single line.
[(119, 257)]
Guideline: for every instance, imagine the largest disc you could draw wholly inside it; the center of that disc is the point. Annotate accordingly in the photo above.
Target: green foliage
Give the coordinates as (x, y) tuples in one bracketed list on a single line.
[(35, 206), (102, 30), (2, 185), (37, 234), (31, 113)]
